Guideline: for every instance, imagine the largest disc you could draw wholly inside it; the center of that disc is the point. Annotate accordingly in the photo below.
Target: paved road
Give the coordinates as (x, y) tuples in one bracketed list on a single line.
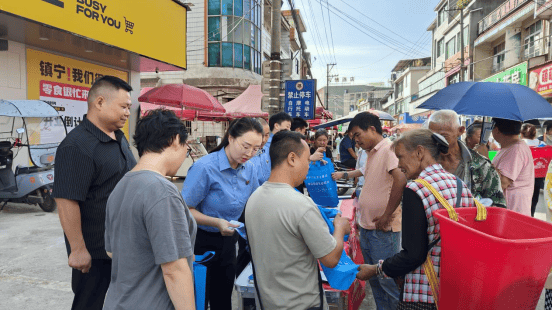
[(33, 261)]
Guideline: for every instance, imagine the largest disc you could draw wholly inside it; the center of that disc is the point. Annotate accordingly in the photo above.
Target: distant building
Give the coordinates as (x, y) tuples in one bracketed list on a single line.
[(337, 94)]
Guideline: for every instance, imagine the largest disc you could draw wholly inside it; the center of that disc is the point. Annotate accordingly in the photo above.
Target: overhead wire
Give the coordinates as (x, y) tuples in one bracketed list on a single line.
[(397, 47)]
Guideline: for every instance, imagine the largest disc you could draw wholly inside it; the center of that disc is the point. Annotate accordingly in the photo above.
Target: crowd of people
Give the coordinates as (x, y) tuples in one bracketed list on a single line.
[(131, 235)]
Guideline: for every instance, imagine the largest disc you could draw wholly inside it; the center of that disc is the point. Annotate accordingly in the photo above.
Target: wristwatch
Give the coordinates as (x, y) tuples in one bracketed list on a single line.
[(346, 175)]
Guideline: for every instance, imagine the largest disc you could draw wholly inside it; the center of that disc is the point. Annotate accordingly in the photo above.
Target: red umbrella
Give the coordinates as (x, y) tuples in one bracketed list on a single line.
[(182, 96)]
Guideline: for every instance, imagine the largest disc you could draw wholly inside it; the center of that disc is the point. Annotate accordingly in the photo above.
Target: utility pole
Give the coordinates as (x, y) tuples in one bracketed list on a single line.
[(328, 77), (275, 64)]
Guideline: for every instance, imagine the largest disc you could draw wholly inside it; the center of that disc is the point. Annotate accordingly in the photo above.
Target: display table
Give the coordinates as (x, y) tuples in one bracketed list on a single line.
[(337, 299)]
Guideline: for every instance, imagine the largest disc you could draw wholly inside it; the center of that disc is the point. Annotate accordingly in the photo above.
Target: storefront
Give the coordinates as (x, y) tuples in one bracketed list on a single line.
[(540, 80), (54, 50), (516, 74)]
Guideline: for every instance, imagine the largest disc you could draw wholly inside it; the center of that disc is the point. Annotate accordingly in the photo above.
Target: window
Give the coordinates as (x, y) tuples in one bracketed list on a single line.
[(451, 48), (442, 15), (440, 47), (466, 36), (234, 34), (499, 55), (532, 42), (458, 43), (455, 78)]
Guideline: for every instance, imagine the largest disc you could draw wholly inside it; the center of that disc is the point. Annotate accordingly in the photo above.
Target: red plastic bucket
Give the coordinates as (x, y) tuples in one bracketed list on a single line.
[(499, 263)]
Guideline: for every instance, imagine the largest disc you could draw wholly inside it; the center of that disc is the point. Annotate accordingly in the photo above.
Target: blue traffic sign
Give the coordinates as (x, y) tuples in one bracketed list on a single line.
[(300, 98)]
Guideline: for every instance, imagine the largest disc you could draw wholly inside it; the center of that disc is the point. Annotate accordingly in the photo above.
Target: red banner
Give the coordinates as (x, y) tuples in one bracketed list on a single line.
[(65, 91), (540, 80)]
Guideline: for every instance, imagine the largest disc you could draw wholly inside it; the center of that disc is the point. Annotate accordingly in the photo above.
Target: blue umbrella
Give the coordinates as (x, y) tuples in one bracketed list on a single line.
[(490, 99)]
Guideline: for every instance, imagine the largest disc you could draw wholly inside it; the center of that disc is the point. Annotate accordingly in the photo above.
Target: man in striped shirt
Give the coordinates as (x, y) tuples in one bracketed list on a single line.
[(90, 161)]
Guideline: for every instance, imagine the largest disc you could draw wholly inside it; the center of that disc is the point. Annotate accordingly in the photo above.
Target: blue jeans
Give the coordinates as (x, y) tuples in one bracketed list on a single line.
[(378, 245)]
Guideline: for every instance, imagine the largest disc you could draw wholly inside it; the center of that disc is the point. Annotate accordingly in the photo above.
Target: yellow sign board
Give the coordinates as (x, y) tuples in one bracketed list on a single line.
[(152, 28), (64, 83)]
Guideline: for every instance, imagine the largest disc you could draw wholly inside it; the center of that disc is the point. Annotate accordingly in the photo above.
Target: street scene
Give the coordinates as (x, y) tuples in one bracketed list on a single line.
[(260, 154)]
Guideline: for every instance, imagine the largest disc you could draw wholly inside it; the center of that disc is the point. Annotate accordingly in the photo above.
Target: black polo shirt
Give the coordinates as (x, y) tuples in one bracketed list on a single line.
[(88, 166)]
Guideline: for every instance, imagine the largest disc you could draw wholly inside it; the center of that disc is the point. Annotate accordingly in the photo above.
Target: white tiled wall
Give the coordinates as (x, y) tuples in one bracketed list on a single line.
[(196, 33)]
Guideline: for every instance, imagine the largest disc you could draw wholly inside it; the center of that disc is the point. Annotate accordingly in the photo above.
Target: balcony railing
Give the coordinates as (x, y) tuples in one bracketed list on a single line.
[(504, 9)]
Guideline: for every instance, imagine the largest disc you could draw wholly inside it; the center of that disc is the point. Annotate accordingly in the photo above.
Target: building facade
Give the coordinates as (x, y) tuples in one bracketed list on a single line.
[(228, 41), (404, 79)]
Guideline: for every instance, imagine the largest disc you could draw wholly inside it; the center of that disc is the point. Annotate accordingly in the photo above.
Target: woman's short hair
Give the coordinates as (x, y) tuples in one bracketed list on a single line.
[(528, 131), (157, 131), (476, 125), (434, 143), (321, 132)]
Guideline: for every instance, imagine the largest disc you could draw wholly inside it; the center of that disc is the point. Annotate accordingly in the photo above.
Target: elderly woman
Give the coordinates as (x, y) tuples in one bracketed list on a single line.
[(418, 152)]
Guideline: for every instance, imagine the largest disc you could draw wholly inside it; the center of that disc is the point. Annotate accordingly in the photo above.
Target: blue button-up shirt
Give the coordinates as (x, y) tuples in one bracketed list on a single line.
[(262, 161), (215, 189)]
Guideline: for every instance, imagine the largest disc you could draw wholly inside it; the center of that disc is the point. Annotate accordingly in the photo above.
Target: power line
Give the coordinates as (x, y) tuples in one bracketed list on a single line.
[(331, 34), (360, 12), (366, 33), (326, 30), (326, 56)]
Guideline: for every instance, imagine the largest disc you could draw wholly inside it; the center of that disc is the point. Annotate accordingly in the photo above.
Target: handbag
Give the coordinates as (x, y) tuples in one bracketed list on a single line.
[(320, 184), (200, 278), (429, 269)]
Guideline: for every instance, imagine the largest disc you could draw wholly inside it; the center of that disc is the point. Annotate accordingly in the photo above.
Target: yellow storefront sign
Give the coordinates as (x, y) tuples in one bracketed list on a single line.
[(153, 28), (64, 83)]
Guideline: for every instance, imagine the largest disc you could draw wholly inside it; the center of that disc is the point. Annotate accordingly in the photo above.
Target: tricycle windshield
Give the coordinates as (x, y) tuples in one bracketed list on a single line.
[(44, 136)]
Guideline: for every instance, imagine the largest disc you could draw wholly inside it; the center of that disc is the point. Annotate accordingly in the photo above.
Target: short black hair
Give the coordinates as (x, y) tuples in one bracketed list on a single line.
[(107, 81), (364, 121), (278, 119), (549, 127), (283, 143), (157, 130), (299, 123), (508, 127)]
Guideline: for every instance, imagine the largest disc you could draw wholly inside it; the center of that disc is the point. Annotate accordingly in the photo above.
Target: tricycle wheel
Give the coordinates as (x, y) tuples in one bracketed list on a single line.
[(49, 204)]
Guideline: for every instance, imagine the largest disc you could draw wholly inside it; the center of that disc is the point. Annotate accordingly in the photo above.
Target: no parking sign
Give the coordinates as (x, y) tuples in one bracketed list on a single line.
[(300, 98)]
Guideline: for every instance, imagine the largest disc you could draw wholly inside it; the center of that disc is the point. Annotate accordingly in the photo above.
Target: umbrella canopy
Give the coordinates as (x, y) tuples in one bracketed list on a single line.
[(182, 96), (190, 115), (490, 99), (384, 116), (27, 109)]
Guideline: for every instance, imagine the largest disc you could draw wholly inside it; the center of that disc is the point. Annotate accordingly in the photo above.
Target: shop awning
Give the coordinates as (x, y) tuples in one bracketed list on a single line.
[(182, 96), (247, 104)]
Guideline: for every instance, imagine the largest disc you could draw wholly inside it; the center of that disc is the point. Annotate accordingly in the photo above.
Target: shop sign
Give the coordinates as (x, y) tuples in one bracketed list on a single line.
[(540, 80), (63, 83), (300, 98), (153, 28), (406, 118), (515, 75)]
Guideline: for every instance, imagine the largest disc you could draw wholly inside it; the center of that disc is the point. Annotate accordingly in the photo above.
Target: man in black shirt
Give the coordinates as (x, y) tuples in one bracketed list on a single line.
[(89, 163)]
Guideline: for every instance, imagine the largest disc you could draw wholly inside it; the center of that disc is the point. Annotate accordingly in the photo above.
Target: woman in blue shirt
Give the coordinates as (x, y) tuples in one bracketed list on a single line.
[(216, 189)]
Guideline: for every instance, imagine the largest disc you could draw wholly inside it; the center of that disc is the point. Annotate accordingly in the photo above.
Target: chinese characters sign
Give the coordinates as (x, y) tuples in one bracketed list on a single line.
[(126, 24), (64, 83), (300, 98), (540, 80), (515, 75)]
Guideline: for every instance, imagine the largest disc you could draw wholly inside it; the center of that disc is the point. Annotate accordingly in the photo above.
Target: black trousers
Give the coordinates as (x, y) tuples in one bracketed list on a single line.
[(221, 270), (351, 163), (539, 184), (90, 288)]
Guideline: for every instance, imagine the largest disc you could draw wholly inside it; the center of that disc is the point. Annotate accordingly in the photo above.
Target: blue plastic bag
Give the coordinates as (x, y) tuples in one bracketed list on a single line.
[(344, 274), (322, 188), (200, 278)]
